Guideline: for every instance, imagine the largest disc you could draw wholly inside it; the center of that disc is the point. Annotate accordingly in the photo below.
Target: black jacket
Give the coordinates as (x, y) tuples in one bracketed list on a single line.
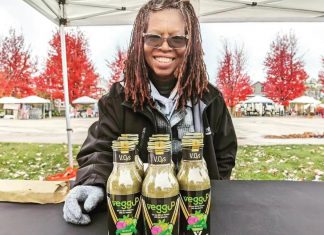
[(116, 116)]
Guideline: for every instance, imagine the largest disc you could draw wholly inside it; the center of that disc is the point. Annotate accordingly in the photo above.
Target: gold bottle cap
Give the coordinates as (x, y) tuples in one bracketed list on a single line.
[(130, 135), (193, 140), (161, 135), (123, 146), (131, 139), (159, 146)]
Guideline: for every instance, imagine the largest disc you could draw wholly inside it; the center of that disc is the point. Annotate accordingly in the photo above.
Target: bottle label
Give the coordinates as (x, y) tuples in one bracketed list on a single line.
[(195, 207), (161, 215), (124, 213), (189, 155), (157, 159), (124, 157)]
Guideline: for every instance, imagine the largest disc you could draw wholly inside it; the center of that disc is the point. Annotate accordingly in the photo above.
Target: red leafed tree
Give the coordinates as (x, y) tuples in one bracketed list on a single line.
[(17, 66), (82, 79), (285, 70), (232, 80), (3, 84), (321, 75), (117, 67)]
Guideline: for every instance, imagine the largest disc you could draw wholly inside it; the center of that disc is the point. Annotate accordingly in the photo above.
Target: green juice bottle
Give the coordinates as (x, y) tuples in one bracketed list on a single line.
[(195, 186), (124, 192), (138, 162), (193, 135), (155, 138), (160, 192)]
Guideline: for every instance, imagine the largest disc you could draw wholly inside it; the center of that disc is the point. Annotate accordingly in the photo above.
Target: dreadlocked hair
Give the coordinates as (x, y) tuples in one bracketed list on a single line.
[(191, 74)]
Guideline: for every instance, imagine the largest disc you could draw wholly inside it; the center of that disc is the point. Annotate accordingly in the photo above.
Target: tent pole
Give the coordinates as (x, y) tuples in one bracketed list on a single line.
[(65, 84)]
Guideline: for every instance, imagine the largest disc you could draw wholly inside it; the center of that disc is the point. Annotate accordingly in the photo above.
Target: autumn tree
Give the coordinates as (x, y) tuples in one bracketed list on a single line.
[(285, 70), (117, 66), (321, 75), (82, 78), (3, 84), (16, 66), (232, 79)]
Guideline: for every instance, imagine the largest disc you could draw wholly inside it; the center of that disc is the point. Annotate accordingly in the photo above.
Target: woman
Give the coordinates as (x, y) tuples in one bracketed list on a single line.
[(165, 90)]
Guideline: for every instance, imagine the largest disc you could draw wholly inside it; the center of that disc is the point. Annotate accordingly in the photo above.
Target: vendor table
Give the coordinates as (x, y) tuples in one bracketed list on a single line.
[(238, 207)]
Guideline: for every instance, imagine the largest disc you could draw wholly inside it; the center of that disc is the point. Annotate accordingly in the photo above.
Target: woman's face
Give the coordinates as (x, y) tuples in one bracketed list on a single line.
[(164, 60)]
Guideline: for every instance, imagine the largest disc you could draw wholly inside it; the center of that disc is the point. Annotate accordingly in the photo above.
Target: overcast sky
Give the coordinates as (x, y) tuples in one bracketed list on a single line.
[(256, 38)]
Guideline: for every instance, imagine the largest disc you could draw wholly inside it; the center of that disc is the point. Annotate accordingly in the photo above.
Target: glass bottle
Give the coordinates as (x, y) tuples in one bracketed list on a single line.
[(193, 135), (160, 137), (138, 162), (124, 191), (194, 183), (160, 192)]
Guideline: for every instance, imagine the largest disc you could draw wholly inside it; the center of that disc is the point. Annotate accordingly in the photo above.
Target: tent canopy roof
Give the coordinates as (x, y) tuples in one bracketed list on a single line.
[(33, 99), (117, 12), (84, 100), (258, 99), (305, 100), (9, 100)]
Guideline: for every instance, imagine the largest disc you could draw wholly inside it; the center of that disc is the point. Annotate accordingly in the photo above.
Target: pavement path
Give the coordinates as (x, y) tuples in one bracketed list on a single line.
[(249, 130)]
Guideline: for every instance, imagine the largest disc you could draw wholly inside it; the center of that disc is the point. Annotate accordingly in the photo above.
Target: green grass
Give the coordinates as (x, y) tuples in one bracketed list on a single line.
[(279, 162), (32, 161)]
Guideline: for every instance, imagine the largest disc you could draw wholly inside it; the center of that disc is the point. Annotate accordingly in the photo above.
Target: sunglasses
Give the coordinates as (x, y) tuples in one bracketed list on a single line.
[(156, 41)]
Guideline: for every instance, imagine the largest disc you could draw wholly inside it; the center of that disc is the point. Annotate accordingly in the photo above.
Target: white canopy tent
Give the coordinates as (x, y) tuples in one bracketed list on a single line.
[(258, 99), (12, 104), (84, 100), (256, 103), (120, 12), (33, 99), (9, 100), (304, 105), (305, 100)]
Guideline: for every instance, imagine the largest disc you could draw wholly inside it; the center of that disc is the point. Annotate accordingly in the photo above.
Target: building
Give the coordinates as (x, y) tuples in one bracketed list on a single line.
[(258, 89)]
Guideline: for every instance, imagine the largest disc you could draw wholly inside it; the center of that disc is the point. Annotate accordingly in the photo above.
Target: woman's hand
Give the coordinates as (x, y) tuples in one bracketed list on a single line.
[(90, 195)]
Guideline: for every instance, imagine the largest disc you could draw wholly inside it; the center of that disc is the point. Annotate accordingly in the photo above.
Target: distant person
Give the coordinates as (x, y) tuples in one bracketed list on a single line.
[(312, 109), (165, 90)]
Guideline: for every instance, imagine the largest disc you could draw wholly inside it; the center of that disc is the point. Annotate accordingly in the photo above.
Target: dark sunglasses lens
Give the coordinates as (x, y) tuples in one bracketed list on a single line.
[(153, 40), (157, 41), (177, 41)]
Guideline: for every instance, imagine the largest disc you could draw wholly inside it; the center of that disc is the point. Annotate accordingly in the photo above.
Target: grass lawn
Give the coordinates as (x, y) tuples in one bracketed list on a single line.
[(279, 162)]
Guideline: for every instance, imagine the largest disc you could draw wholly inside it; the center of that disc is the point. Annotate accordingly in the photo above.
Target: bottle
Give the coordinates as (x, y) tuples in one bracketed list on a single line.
[(160, 137), (194, 183), (124, 191), (160, 192), (193, 135), (138, 162)]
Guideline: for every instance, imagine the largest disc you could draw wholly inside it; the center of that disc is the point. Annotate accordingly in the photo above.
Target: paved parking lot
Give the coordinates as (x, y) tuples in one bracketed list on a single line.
[(250, 130)]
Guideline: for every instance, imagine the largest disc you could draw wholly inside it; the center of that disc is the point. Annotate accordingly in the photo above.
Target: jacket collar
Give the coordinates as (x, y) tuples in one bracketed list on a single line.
[(207, 99), (211, 95)]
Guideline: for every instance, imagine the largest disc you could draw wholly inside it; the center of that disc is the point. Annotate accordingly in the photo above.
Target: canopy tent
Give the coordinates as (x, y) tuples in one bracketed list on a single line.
[(305, 100), (119, 12), (84, 100), (303, 105), (259, 105), (258, 99), (9, 100), (33, 99), (10, 106)]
